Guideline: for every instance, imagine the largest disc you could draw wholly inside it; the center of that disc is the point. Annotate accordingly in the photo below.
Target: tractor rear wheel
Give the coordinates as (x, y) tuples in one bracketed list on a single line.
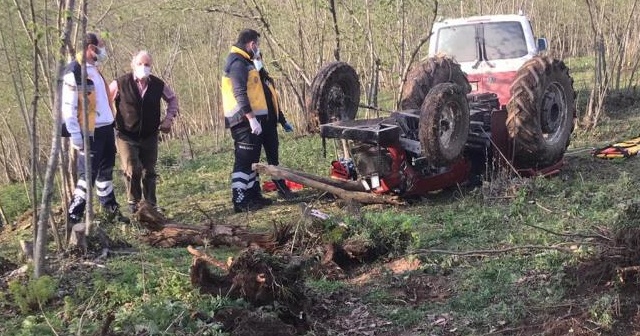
[(334, 96), (540, 112), (444, 124), (426, 75)]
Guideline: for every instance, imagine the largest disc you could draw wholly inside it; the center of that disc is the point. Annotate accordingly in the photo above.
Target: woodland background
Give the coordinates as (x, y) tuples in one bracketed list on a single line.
[(517, 256), (190, 40)]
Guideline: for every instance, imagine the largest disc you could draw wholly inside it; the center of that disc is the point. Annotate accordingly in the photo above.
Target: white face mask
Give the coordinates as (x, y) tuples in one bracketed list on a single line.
[(142, 71), (257, 64), (101, 55)]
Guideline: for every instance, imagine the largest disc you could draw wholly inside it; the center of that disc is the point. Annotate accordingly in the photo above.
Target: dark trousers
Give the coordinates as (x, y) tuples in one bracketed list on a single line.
[(138, 158), (270, 140), (245, 184), (103, 158), (271, 144)]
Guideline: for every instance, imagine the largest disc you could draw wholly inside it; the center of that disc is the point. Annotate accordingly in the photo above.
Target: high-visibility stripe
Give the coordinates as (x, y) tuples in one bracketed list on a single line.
[(81, 189), (244, 176), (104, 188), (80, 193), (243, 185), (82, 184)]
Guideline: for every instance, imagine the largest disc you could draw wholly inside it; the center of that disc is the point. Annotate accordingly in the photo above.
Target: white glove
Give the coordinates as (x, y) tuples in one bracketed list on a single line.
[(255, 126), (77, 142)]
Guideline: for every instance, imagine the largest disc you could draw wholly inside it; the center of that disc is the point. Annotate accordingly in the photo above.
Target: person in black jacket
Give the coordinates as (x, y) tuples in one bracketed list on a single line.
[(270, 140), (138, 95)]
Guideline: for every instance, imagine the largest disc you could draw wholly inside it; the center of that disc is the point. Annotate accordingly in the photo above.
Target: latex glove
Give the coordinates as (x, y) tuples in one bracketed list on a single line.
[(287, 127), (255, 126), (77, 141), (165, 126)]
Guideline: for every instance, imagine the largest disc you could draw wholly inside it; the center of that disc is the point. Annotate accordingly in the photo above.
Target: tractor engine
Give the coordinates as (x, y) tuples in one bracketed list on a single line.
[(371, 160)]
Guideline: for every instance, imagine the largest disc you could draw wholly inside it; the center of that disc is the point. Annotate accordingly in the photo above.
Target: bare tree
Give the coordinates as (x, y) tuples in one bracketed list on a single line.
[(421, 42), (34, 121), (47, 191), (88, 173)]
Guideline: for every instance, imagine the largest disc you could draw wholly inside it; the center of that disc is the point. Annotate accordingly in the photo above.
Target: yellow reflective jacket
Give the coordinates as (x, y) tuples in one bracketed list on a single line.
[(242, 98), (75, 67)]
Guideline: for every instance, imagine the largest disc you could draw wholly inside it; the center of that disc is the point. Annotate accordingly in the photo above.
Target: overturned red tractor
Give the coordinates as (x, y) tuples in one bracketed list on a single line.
[(502, 103)]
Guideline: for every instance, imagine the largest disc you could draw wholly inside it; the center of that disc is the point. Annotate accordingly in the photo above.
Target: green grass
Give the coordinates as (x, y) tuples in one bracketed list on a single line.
[(14, 200), (150, 291)]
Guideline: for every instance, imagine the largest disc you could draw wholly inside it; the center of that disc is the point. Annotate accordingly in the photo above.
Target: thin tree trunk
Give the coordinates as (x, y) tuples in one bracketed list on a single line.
[(34, 119), (332, 8), (3, 218), (402, 31), (5, 161), (47, 189), (88, 173), (423, 40)]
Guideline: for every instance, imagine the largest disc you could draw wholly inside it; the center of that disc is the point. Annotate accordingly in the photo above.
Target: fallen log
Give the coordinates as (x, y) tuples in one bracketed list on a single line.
[(313, 181), (165, 233), (342, 184)]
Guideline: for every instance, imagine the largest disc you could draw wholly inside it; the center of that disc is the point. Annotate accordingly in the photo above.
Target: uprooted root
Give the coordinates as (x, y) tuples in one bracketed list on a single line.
[(617, 260), (258, 278)]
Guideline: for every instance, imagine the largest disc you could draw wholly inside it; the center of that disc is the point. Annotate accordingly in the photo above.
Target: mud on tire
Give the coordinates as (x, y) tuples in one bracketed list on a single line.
[(540, 112), (427, 74), (444, 124), (334, 95)]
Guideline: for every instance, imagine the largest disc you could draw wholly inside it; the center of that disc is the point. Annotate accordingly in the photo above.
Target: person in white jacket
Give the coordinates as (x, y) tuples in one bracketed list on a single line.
[(100, 122)]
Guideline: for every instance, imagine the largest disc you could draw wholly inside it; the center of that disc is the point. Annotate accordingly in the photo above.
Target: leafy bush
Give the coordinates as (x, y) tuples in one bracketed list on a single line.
[(389, 231), (13, 200), (36, 292)]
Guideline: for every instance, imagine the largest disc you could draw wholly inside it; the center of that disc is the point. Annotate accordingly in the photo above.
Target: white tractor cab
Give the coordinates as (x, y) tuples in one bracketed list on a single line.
[(489, 49)]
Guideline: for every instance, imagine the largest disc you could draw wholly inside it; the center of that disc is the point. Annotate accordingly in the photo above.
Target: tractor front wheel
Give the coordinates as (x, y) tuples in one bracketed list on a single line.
[(540, 112), (444, 124), (426, 75)]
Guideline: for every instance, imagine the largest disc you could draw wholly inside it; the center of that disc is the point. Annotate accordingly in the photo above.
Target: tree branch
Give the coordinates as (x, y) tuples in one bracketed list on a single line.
[(481, 253), (415, 51)]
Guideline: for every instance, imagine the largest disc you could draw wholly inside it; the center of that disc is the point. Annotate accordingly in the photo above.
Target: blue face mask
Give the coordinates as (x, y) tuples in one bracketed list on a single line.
[(102, 54)]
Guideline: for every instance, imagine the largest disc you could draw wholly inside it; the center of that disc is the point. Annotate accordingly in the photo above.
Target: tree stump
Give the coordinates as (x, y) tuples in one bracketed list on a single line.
[(78, 237), (27, 249)]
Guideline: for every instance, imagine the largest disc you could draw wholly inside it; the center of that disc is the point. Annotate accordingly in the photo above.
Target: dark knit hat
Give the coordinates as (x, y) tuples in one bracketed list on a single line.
[(91, 39)]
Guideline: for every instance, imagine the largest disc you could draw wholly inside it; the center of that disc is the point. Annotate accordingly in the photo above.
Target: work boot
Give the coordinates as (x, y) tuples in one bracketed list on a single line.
[(283, 189), (73, 219), (114, 215), (133, 207), (243, 201), (246, 207), (254, 195), (261, 200)]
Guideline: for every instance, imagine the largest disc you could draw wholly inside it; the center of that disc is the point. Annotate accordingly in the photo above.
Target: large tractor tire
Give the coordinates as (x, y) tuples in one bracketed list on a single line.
[(444, 124), (426, 75), (334, 96), (540, 112)]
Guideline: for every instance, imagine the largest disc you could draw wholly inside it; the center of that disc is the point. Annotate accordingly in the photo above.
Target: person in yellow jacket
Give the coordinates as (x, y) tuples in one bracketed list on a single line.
[(100, 131), (245, 109)]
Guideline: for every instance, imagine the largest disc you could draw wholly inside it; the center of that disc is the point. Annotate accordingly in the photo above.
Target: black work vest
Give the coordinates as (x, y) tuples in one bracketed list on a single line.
[(137, 116)]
